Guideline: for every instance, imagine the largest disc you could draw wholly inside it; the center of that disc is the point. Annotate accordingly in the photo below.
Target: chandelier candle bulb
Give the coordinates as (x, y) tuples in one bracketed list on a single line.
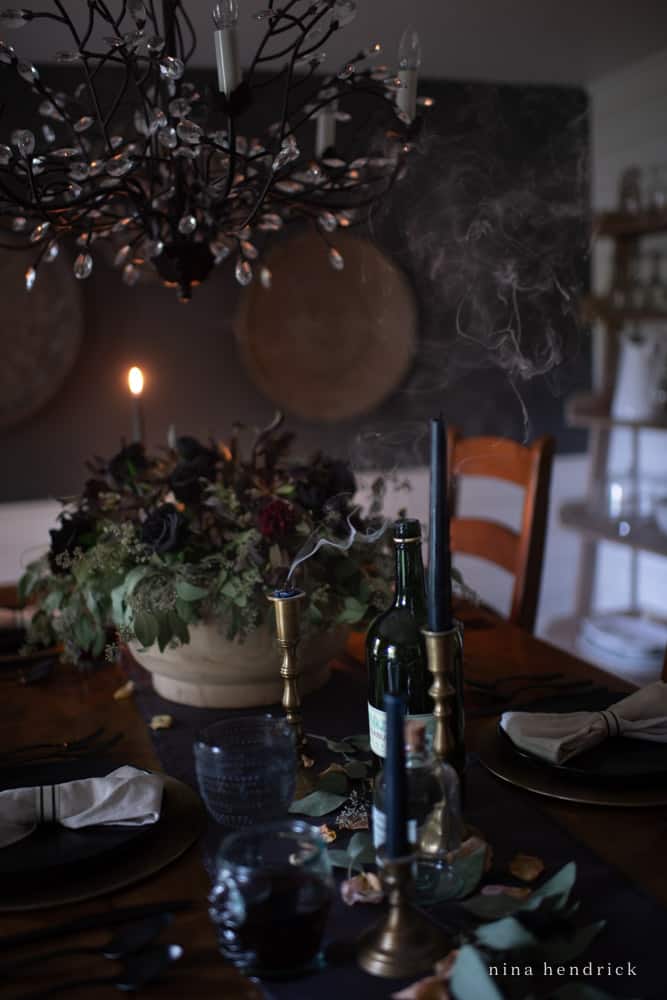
[(409, 61), (135, 381), (225, 16), (325, 134)]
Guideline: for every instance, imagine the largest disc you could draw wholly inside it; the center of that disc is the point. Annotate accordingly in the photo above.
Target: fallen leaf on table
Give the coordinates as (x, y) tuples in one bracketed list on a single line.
[(161, 722), (431, 988), (307, 761), (327, 834), (526, 867), (365, 888), (515, 891), (445, 966), (125, 691)]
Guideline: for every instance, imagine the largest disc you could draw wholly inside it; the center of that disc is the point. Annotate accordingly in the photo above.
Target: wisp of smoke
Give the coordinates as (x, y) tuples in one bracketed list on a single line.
[(318, 541)]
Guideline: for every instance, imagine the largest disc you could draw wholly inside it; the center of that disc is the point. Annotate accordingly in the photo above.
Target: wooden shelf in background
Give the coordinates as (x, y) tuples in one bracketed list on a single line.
[(643, 535), (588, 410), (619, 225), (600, 307)]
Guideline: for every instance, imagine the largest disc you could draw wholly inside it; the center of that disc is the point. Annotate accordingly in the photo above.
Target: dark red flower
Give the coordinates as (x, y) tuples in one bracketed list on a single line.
[(276, 519)]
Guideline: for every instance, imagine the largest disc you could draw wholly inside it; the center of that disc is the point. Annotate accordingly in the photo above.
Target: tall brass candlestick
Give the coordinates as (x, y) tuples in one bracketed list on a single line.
[(287, 605), (403, 943)]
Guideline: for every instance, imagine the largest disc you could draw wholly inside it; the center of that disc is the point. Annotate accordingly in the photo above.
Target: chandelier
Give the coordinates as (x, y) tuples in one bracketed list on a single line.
[(159, 170)]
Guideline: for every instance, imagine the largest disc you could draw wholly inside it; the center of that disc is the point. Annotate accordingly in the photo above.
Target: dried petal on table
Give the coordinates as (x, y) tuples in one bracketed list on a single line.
[(431, 988), (364, 888), (125, 691), (526, 867), (307, 761), (327, 834), (515, 891), (471, 846), (161, 722)]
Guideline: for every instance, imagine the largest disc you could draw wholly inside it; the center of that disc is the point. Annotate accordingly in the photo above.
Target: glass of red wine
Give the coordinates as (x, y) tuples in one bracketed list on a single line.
[(271, 898)]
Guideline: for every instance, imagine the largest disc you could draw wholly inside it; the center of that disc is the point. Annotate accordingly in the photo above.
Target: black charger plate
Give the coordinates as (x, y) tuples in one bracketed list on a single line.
[(51, 847), (615, 761)]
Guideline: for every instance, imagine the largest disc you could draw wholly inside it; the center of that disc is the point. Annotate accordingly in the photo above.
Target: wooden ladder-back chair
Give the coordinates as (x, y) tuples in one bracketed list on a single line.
[(520, 554)]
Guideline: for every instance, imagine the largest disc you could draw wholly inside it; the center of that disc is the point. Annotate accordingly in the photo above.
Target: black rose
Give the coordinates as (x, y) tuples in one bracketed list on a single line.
[(190, 448), (164, 530), (320, 483), (76, 531), (92, 490), (128, 463), (186, 479)]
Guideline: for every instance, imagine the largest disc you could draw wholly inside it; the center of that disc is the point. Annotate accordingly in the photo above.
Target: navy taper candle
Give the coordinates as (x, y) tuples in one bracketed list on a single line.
[(439, 558), (396, 787)]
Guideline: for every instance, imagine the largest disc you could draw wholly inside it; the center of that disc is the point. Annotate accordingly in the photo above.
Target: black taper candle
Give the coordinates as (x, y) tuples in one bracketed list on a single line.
[(396, 786), (439, 560)]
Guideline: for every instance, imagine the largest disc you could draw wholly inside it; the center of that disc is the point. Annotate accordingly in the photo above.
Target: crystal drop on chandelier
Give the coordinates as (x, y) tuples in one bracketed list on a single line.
[(336, 259), (83, 266)]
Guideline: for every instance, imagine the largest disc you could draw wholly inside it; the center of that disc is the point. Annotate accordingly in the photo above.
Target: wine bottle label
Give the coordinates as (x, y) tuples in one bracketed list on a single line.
[(377, 726), (380, 828)]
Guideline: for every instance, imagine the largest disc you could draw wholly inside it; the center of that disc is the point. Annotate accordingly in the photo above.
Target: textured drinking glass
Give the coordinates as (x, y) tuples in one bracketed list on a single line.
[(271, 898), (246, 769)]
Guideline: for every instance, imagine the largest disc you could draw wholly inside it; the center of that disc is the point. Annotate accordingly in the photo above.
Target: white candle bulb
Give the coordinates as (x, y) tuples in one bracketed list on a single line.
[(135, 381), (325, 135), (225, 16), (409, 61)]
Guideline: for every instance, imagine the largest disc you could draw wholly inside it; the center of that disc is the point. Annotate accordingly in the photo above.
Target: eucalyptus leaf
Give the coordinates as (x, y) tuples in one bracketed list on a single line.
[(186, 612), (145, 628), (361, 742), (557, 888), (355, 769), (341, 859), (360, 847), (135, 576), (504, 935), (189, 592), (178, 627), (470, 977), (470, 870), (318, 803), (164, 629), (564, 949), (333, 781)]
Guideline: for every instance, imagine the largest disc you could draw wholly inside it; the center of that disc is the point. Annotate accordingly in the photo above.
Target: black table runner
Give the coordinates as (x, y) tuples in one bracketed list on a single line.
[(511, 820)]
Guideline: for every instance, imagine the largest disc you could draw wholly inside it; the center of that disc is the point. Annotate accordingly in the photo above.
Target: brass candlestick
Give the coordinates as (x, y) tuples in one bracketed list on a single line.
[(403, 943), (287, 605), (444, 653)]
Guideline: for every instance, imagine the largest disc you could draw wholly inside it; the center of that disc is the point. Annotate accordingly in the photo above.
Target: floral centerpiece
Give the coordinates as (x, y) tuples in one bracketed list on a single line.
[(158, 544)]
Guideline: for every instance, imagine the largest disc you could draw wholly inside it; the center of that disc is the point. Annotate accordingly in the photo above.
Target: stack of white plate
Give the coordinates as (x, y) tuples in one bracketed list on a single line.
[(628, 644)]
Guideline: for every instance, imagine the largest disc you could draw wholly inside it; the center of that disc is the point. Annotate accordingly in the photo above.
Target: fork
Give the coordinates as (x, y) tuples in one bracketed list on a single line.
[(68, 748)]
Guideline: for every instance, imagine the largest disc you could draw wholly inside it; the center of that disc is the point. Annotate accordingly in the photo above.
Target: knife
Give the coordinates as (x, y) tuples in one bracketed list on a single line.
[(104, 918)]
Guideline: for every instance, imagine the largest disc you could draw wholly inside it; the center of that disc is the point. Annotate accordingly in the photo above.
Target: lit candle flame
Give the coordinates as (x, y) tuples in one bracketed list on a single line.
[(135, 380)]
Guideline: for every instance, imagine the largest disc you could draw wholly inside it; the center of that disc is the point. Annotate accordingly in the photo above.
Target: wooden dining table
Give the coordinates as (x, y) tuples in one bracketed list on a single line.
[(71, 703)]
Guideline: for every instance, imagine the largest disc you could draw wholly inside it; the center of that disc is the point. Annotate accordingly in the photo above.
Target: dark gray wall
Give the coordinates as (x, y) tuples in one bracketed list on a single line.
[(481, 145)]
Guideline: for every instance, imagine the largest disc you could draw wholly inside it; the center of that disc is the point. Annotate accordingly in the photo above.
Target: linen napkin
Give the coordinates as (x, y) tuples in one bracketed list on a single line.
[(125, 797), (558, 737)]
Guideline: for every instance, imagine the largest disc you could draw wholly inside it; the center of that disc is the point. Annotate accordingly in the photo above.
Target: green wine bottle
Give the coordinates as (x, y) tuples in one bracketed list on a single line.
[(395, 650)]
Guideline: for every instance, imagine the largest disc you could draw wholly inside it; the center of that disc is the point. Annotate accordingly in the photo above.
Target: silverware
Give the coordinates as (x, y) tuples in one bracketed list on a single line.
[(32, 753), (95, 921), (126, 941), (138, 970)]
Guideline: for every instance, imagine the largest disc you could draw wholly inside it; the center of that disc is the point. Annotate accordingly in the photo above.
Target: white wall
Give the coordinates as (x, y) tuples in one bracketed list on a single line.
[(629, 128)]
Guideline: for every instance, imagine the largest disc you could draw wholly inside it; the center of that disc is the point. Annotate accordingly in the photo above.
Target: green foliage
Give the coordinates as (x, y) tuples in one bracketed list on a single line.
[(156, 544)]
